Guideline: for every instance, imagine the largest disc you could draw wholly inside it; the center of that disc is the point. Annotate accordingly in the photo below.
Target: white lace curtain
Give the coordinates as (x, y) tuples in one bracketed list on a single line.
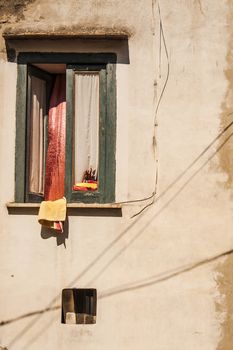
[(86, 152)]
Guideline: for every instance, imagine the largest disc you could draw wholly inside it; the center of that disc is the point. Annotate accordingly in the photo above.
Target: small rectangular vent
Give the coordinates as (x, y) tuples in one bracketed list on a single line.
[(79, 306)]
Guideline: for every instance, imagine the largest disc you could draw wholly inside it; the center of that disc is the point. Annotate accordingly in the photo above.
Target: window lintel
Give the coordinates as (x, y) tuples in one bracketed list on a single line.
[(82, 32)]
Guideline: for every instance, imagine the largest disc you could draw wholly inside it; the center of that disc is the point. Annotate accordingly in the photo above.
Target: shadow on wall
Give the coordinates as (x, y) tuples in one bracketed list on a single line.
[(127, 231), (96, 212), (60, 236)]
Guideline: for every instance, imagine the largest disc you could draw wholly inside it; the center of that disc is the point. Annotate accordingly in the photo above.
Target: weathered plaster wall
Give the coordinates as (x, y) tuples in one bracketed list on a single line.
[(162, 278), (224, 305)]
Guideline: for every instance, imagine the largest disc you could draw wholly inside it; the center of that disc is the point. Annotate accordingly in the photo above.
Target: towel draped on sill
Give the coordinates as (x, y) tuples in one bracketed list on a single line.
[(53, 213)]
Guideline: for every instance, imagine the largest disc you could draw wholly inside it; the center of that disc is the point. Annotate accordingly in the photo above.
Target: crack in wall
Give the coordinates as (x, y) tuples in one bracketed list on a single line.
[(200, 7)]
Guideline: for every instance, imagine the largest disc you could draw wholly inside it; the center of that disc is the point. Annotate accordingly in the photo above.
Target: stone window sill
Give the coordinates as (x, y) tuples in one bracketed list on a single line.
[(73, 209), (69, 205)]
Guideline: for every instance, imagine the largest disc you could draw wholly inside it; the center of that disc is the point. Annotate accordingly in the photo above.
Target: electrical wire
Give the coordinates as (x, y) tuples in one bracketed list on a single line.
[(152, 196), (162, 36)]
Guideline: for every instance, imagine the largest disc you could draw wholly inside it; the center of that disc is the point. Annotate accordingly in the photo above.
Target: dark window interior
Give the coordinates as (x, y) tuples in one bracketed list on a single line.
[(79, 306)]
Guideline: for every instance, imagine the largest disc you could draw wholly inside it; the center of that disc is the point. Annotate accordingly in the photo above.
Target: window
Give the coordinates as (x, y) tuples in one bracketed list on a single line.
[(79, 306), (88, 92)]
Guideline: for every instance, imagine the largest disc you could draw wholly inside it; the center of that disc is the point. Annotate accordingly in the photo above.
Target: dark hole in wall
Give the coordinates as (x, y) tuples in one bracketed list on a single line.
[(79, 306)]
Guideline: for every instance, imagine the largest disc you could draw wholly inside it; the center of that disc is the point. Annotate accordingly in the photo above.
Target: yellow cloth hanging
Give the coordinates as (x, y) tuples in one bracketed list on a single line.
[(53, 212), (86, 186)]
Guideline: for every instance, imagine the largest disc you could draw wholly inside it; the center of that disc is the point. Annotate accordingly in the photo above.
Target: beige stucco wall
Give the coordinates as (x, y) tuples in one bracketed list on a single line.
[(163, 282)]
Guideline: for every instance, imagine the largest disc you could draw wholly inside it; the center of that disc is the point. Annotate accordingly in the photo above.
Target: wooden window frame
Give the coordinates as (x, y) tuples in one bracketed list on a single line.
[(105, 61)]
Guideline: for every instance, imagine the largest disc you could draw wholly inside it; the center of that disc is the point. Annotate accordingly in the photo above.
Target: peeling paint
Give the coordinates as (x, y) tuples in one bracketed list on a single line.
[(13, 8), (19, 32), (226, 153), (224, 307)]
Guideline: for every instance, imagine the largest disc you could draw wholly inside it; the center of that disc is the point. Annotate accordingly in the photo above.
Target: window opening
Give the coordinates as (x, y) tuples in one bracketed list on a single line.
[(65, 151), (79, 306), (47, 160), (46, 114)]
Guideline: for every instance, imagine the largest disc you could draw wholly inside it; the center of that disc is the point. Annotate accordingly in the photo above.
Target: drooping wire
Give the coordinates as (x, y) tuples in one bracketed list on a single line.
[(162, 36), (152, 196), (168, 63)]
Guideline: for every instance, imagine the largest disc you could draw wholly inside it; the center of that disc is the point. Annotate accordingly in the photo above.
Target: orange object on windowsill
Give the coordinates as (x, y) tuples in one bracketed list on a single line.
[(85, 186)]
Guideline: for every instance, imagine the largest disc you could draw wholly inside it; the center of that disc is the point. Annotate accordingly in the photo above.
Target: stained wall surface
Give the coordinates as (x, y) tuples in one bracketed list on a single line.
[(163, 277)]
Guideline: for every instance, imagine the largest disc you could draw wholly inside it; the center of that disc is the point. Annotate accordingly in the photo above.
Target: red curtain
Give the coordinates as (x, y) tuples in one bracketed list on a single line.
[(55, 159)]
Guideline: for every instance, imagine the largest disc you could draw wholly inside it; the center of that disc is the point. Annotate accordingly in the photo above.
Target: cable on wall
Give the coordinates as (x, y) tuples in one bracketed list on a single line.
[(162, 40), (155, 124)]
